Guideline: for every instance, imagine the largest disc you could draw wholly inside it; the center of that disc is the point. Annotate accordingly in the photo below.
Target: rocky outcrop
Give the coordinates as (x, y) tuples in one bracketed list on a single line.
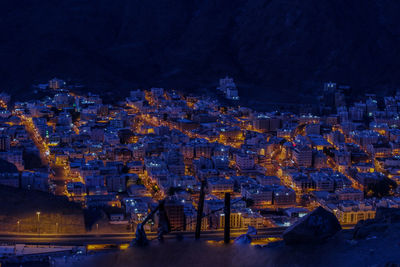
[(385, 217), (369, 228), (315, 227), (388, 215)]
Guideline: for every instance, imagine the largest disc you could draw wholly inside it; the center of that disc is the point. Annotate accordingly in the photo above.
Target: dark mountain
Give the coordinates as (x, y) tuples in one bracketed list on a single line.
[(275, 45)]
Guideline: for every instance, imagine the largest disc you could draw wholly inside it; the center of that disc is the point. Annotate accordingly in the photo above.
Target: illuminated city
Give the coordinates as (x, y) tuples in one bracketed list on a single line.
[(162, 157), (192, 133)]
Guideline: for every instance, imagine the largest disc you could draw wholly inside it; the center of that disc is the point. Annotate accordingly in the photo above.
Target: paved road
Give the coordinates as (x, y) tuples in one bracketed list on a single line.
[(121, 238), (59, 180)]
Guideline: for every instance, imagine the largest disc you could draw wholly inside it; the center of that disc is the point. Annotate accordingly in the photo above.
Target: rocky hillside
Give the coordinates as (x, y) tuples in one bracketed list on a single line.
[(57, 214), (371, 243), (275, 45)]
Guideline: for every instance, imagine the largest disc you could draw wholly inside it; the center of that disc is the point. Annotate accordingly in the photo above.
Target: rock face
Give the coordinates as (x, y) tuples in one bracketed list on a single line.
[(373, 227), (285, 45), (388, 215), (315, 227), (369, 228)]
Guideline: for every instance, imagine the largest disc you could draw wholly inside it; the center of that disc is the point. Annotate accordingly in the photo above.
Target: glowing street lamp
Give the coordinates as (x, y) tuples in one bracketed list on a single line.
[(38, 217)]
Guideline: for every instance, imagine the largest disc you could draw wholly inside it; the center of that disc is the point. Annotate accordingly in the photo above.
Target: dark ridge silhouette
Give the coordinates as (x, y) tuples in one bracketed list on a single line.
[(271, 45)]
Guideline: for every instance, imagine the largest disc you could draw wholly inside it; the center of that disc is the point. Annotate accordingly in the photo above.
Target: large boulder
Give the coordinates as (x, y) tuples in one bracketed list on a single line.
[(315, 227)]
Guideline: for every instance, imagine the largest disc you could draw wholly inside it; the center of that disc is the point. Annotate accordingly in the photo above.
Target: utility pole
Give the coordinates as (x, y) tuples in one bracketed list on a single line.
[(200, 210), (227, 211), (164, 226)]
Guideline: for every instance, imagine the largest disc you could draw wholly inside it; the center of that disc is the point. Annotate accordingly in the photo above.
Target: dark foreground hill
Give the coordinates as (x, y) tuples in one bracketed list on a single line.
[(372, 243), (279, 45), (379, 250)]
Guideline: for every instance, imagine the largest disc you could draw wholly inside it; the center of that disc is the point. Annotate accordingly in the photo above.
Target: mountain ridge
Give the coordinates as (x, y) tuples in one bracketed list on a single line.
[(282, 46)]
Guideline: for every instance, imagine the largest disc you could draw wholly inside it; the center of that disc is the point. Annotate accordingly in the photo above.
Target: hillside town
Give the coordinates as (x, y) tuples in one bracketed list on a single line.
[(159, 144)]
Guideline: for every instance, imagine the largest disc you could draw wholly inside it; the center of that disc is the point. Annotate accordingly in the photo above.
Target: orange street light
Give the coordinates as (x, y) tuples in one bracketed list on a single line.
[(38, 216)]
